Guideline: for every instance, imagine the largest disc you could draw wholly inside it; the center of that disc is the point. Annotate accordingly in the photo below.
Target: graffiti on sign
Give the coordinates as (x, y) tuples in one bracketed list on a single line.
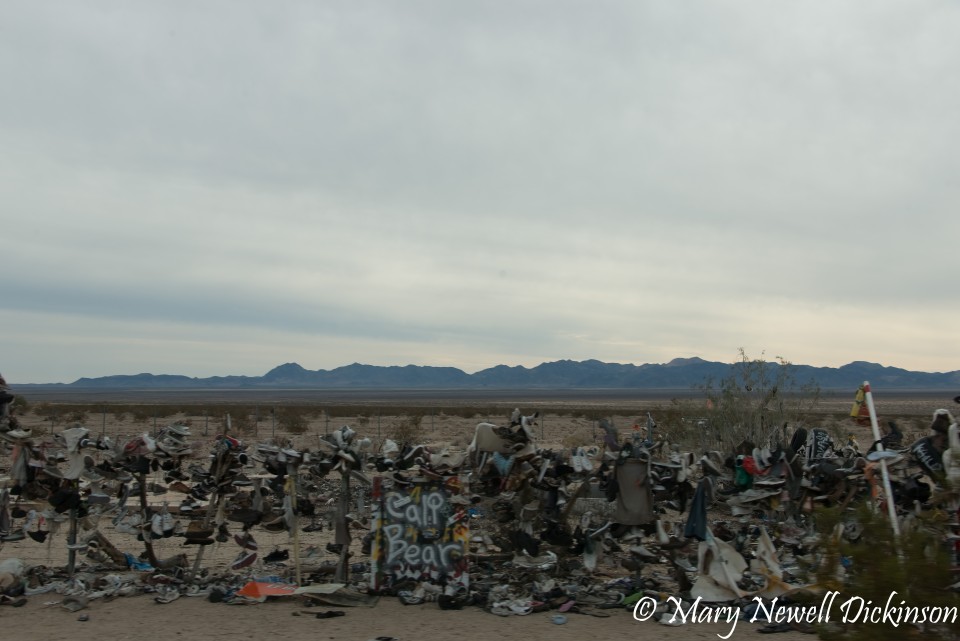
[(928, 455), (418, 535), (818, 444)]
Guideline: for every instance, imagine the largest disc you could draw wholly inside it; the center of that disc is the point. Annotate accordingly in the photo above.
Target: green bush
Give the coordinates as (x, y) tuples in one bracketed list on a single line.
[(917, 567)]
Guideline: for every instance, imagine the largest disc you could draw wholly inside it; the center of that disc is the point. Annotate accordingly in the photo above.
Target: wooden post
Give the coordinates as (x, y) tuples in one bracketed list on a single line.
[(213, 503), (342, 535), (71, 540), (145, 529), (293, 470)]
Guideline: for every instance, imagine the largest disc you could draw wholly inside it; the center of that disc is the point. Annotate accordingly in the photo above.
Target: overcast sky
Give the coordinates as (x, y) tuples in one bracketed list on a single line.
[(212, 188)]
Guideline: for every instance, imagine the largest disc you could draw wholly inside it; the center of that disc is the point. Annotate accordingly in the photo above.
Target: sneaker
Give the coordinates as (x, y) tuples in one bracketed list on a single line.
[(132, 525), (97, 495), (175, 475), (197, 530), (90, 472), (156, 526), (178, 429), (135, 564), (575, 461), (166, 594), (121, 514), (241, 480), (245, 540), (277, 556), (244, 559), (51, 470)]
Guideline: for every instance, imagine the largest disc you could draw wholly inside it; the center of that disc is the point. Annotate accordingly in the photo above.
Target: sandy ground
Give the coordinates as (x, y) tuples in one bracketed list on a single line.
[(141, 618)]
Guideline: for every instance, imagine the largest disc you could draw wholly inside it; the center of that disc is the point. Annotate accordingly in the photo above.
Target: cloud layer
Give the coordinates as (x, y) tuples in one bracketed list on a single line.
[(219, 188)]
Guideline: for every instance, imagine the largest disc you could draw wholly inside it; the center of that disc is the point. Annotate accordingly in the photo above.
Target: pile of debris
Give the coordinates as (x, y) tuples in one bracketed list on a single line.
[(506, 526)]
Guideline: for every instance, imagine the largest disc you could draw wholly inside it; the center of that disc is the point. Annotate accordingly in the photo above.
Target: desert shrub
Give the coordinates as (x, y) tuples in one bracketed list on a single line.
[(49, 412), (409, 430), (590, 414), (19, 405), (580, 437), (244, 422), (240, 422), (292, 419), (757, 401), (916, 566)]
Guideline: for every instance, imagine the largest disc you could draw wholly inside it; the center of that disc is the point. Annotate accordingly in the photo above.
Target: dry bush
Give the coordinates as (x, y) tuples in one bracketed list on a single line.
[(292, 419), (579, 437), (409, 431), (757, 400)]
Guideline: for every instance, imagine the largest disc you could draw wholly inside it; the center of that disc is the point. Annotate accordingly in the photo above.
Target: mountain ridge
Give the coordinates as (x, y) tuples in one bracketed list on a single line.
[(679, 373)]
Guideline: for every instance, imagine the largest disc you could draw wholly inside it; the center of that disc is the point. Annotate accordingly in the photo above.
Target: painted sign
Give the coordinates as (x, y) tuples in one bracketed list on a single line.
[(928, 455), (818, 444), (418, 535)]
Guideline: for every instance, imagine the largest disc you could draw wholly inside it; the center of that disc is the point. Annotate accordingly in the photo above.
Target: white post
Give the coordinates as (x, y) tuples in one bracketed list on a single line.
[(885, 475)]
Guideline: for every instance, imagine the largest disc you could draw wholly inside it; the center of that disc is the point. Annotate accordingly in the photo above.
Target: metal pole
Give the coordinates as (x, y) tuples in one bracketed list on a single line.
[(885, 475)]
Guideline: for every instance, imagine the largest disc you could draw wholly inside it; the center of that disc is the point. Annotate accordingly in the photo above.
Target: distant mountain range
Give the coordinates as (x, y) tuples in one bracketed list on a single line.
[(680, 373)]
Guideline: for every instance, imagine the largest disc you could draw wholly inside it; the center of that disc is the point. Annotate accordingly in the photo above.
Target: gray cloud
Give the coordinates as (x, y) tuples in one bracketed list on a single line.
[(473, 184)]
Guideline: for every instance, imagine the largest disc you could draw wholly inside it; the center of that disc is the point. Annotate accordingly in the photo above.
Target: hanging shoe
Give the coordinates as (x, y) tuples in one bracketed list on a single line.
[(244, 559)]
